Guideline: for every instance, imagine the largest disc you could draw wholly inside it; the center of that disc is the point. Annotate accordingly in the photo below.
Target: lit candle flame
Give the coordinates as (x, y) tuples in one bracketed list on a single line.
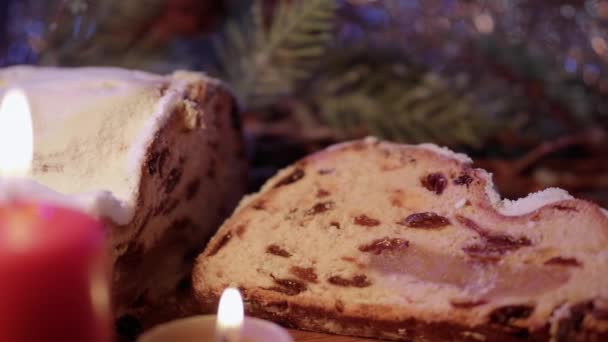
[(230, 316), (16, 135)]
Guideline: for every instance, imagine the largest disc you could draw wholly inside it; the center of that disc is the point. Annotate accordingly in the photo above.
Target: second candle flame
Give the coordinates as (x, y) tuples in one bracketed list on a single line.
[(230, 316)]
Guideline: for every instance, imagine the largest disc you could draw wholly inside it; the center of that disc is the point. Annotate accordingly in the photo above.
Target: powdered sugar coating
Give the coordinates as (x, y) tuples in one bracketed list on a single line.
[(444, 151), (105, 118), (532, 202), (99, 204)]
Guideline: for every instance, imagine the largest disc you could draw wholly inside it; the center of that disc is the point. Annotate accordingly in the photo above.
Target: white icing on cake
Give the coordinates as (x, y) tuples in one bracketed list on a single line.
[(369, 140), (505, 206), (444, 151), (523, 205), (98, 204), (532, 202), (92, 128), (490, 189)]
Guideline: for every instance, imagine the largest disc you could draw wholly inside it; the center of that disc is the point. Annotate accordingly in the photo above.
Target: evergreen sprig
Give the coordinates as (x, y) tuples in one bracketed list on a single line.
[(394, 99), (263, 60), (101, 33), (353, 90), (582, 105)]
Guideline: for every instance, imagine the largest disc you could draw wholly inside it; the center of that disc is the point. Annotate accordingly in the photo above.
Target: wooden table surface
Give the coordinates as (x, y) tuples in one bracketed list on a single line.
[(305, 336)]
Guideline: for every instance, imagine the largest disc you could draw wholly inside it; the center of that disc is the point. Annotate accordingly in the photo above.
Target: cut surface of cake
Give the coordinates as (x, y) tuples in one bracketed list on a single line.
[(406, 242), (158, 158)]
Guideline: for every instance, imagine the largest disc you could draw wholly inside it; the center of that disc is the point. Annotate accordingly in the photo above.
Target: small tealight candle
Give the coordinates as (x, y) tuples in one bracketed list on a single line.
[(53, 277), (230, 325)]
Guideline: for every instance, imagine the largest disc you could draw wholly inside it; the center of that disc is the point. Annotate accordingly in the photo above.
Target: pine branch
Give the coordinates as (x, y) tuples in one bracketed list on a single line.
[(264, 61), (388, 97), (572, 103), (107, 32), (356, 92)]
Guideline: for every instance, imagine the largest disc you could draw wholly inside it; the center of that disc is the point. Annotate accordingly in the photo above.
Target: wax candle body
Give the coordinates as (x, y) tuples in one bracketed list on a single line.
[(203, 329), (53, 279)]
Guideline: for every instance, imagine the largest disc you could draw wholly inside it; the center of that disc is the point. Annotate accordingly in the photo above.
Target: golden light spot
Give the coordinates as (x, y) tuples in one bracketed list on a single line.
[(599, 45), (484, 23)]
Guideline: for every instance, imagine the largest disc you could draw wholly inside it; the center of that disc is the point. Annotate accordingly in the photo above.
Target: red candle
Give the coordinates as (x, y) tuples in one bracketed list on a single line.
[(53, 280)]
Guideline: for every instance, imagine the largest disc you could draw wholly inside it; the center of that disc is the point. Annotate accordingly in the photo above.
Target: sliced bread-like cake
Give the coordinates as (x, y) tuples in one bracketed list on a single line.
[(158, 158), (411, 243)]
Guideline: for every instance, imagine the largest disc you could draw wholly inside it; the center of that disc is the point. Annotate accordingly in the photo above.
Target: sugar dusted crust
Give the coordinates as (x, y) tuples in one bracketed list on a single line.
[(118, 113), (463, 158), (109, 107), (193, 173), (406, 242), (533, 201)]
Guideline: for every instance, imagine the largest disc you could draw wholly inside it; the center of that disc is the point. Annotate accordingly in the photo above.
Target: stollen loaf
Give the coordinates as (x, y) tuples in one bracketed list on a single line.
[(159, 159)]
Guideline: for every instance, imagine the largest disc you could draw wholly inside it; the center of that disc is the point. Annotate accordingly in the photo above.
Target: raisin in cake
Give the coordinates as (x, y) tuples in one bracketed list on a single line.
[(158, 158), (411, 243)]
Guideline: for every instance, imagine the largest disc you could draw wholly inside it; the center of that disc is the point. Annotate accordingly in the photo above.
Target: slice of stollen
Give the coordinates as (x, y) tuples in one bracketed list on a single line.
[(409, 242)]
